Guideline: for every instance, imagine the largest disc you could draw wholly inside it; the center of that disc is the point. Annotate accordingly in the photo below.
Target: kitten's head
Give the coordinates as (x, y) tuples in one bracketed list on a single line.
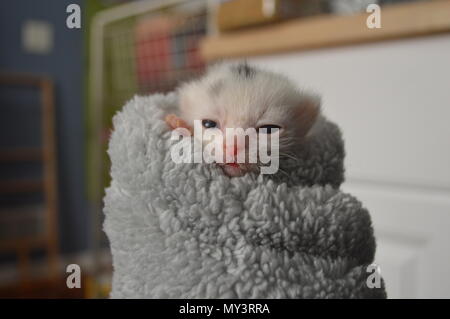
[(241, 96)]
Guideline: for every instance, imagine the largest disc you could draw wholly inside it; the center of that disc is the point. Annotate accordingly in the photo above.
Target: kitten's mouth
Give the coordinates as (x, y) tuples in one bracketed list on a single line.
[(233, 169)]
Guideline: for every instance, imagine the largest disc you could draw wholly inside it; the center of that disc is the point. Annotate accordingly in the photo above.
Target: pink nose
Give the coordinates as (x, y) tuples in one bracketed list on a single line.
[(231, 151)]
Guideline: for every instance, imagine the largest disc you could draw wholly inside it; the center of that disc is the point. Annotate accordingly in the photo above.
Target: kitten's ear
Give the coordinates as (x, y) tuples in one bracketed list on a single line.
[(306, 114), (175, 122)]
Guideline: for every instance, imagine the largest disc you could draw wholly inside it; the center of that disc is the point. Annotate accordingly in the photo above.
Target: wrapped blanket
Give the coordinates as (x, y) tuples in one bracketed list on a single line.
[(189, 231)]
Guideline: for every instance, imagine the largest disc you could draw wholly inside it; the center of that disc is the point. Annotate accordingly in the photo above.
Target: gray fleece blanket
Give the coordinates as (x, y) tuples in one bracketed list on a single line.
[(189, 231)]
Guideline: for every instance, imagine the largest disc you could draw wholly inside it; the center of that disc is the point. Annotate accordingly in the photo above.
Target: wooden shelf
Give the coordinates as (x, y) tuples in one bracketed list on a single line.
[(21, 155), (21, 238), (21, 79), (30, 242), (397, 21), (21, 186)]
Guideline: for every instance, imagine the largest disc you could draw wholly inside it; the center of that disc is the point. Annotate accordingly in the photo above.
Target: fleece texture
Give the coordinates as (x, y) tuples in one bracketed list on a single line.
[(189, 231)]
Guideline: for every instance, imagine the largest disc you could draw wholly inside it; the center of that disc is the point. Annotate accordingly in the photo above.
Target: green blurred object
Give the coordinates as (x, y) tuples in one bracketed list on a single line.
[(91, 7), (119, 48)]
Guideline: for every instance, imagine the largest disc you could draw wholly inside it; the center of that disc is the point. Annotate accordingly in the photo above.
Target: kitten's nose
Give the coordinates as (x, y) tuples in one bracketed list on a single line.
[(231, 151)]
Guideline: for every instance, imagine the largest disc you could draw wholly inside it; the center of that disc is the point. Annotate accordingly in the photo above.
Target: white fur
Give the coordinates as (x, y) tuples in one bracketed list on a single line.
[(263, 98)]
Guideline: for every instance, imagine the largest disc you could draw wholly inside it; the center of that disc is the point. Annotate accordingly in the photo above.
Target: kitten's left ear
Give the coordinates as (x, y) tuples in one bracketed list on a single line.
[(306, 113)]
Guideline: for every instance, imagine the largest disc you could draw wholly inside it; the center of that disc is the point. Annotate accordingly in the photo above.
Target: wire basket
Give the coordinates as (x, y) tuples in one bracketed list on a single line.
[(141, 47), (152, 54), (137, 48)]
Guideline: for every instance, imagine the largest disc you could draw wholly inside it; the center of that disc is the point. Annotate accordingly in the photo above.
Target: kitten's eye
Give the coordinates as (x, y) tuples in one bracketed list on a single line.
[(269, 129), (209, 124)]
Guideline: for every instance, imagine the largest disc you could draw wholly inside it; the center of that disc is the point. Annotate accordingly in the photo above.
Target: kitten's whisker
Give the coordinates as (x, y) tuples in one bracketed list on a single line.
[(289, 156), (283, 171)]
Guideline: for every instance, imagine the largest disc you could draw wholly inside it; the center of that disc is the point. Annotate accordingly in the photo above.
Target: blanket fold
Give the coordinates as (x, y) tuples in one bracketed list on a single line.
[(189, 231)]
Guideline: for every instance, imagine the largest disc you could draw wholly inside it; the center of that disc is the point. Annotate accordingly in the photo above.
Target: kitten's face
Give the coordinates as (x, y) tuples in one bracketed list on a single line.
[(243, 97)]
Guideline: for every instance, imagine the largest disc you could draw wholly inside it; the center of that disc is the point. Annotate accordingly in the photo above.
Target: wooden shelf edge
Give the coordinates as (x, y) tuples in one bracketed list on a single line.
[(29, 242), (21, 186), (28, 154), (397, 21), (22, 79)]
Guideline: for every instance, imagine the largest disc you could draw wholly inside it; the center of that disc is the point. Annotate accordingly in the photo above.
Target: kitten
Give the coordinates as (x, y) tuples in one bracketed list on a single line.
[(241, 96)]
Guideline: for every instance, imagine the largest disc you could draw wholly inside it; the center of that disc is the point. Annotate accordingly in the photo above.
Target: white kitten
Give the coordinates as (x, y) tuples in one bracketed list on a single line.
[(241, 96)]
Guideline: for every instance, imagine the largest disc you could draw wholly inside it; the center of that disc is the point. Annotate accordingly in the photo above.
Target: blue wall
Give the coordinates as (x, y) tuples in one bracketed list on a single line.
[(65, 65)]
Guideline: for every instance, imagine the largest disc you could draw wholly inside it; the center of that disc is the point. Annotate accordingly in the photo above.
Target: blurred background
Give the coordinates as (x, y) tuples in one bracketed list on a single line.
[(64, 75)]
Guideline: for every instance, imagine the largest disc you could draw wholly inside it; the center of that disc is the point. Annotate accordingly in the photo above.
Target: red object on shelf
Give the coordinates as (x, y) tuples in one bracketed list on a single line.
[(167, 50), (153, 51)]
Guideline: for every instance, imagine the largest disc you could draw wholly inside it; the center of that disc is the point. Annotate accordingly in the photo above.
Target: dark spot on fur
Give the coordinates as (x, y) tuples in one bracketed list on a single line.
[(216, 87), (244, 70)]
